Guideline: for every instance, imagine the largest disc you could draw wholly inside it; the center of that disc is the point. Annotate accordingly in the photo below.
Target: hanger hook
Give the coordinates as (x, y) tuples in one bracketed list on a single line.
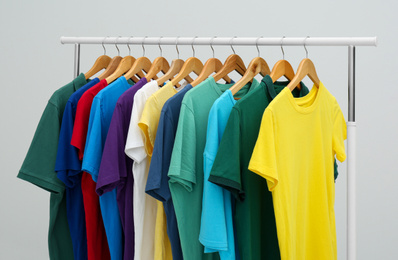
[(118, 51), (283, 52), (305, 48), (258, 50), (178, 52), (211, 44), (160, 48), (193, 49), (230, 44), (142, 45), (103, 44), (128, 46)]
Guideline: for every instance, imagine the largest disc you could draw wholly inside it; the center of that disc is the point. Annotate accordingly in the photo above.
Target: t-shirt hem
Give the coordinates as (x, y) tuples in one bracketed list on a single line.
[(41, 183), (213, 245), (232, 186)]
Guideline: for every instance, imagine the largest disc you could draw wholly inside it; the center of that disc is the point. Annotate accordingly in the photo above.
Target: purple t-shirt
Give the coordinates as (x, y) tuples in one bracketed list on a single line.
[(116, 166)]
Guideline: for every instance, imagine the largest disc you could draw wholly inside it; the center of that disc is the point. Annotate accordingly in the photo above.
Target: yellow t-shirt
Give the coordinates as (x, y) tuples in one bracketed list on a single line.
[(149, 124), (294, 152)]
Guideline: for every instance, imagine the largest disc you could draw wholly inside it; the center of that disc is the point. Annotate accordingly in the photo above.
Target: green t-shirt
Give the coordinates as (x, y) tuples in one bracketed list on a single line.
[(186, 166), (254, 215), (38, 168)]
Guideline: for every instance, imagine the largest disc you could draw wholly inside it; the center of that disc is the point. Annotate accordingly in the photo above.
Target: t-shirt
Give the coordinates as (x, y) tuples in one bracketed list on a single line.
[(97, 244), (38, 168), (216, 229), (157, 184), (116, 166), (144, 205), (100, 118), (302, 187), (186, 165), (148, 124), (68, 168), (254, 216)]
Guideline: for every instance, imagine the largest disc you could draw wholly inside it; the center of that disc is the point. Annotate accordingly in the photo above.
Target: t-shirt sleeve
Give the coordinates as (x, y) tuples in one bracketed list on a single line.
[(155, 175), (135, 141), (182, 165), (80, 127), (113, 169), (67, 164), (94, 146), (263, 160), (226, 170), (339, 134), (38, 166), (147, 124)]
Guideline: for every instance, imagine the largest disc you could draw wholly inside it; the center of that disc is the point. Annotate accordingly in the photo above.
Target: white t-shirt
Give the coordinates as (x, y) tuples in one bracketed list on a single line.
[(145, 207)]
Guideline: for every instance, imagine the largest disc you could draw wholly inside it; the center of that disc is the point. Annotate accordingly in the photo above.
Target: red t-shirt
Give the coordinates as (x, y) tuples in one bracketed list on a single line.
[(97, 244)]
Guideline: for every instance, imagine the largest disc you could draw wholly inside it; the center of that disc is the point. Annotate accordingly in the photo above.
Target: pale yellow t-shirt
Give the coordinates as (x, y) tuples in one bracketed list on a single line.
[(294, 152), (149, 124)]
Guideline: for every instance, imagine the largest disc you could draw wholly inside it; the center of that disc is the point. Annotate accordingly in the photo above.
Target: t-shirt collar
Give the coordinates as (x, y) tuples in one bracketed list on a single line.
[(79, 81)]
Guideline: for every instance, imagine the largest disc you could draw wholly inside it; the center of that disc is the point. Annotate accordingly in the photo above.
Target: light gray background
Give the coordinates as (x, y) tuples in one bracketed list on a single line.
[(34, 64)]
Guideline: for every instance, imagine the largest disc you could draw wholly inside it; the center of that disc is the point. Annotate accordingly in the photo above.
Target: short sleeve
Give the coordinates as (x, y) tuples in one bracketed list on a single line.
[(263, 160), (156, 169), (182, 165), (38, 166), (67, 164), (148, 125), (135, 141), (94, 145), (81, 124), (339, 135), (113, 169), (226, 170)]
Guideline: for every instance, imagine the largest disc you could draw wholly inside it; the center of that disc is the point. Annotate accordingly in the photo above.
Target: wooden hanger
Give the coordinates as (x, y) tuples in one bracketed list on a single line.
[(192, 64), (141, 64), (306, 68), (111, 67), (159, 64), (282, 68), (175, 67), (102, 62), (256, 66), (233, 62), (124, 66), (211, 65)]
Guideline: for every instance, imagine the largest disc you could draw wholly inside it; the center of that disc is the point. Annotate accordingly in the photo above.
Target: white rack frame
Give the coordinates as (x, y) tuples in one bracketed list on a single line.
[(350, 42)]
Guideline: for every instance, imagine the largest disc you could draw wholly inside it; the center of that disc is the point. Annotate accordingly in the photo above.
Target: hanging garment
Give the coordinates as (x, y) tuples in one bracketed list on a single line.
[(186, 166), (216, 230), (302, 186), (68, 168), (116, 166), (38, 169), (254, 215), (144, 206), (97, 244), (148, 124), (157, 184), (100, 116)]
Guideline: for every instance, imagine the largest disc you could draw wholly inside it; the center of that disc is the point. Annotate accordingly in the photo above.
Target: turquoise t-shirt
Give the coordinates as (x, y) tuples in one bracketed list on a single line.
[(100, 118), (216, 230)]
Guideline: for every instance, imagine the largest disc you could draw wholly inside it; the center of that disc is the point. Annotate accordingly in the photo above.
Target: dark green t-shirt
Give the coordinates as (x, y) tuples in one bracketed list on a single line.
[(254, 215), (38, 168)]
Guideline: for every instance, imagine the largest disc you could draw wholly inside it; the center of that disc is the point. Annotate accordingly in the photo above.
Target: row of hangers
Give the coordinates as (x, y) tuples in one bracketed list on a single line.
[(132, 68)]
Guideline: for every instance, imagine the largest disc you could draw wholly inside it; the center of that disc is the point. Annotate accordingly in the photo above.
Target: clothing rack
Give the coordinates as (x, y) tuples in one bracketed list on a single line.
[(350, 42)]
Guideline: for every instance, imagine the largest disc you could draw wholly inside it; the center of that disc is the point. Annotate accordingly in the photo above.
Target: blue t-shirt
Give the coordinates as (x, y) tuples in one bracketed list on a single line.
[(216, 228), (68, 168), (157, 183), (100, 118)]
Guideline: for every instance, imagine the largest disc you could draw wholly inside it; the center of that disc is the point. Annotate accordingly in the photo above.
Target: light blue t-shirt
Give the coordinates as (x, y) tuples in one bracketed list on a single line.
[(216, 229), (100, 118)]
